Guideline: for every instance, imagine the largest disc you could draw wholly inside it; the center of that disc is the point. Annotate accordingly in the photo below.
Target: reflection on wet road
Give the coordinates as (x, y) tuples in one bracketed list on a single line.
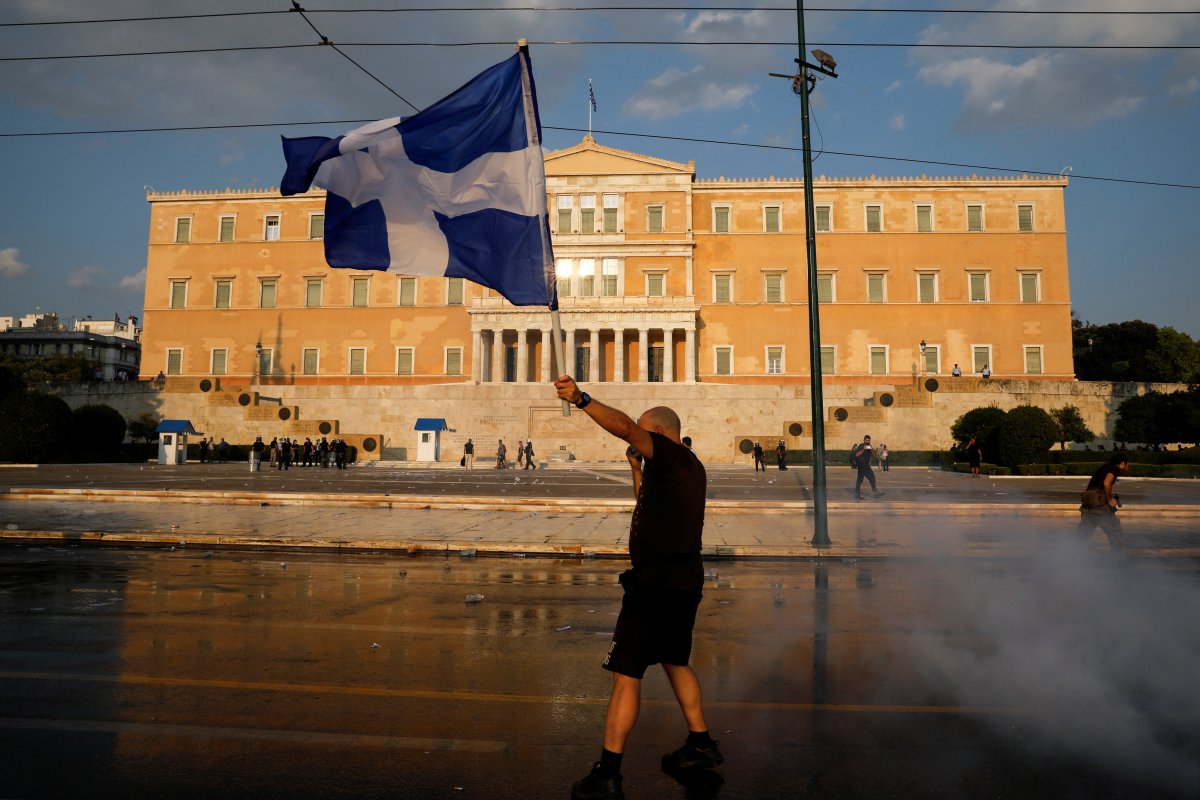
[(187, 674)]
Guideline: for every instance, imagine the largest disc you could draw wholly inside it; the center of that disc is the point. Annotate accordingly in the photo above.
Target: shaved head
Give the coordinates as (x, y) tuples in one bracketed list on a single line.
[(664, 418)]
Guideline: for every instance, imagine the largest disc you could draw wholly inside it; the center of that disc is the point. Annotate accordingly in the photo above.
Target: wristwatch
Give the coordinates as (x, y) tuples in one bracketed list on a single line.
[(584, 399)]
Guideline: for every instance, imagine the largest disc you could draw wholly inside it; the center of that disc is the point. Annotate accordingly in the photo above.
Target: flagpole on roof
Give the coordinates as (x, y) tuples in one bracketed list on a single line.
[(531, 125), (591, 105)]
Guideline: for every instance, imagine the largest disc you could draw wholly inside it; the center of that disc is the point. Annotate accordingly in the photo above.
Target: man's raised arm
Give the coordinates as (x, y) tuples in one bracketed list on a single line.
[(613, 420)]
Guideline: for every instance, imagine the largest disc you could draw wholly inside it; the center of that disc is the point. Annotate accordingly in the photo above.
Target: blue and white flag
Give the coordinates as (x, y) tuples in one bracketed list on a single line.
[(458, 189)]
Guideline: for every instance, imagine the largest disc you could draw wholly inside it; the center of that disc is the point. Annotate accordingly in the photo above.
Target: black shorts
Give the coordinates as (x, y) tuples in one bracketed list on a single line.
[(654, 627)]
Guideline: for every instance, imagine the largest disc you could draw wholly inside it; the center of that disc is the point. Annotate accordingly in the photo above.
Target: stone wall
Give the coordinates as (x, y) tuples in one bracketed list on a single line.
[(718, 417)]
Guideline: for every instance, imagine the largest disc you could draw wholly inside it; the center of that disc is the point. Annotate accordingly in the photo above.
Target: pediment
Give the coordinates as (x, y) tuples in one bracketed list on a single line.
[(590, 158)]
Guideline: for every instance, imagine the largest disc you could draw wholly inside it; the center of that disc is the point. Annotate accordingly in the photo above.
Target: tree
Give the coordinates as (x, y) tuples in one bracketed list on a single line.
[(10, 382), (1025, 435), (53, 369), (1115, 352), (1071, 427), (1137, 419), (97, 432), (1158, 418), (1175, 357), (145, 427), (982, 423), (34, 427)]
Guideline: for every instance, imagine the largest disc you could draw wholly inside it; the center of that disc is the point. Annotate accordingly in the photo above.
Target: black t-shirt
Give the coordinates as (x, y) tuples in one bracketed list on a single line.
[(469, 449), (1097, 481), (668, 520)]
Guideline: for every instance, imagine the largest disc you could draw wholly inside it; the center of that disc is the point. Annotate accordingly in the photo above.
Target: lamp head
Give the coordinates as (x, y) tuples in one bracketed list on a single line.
[(825, 60)]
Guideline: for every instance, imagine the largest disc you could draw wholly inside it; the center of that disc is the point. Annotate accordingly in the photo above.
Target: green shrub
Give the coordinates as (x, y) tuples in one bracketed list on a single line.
[(984, 424), (34, 428), (10, 382), (96, 433), (1025, 436)]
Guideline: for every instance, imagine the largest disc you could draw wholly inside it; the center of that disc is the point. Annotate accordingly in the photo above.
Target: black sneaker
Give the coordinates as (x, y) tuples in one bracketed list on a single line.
[(598, 786), (690, 757)]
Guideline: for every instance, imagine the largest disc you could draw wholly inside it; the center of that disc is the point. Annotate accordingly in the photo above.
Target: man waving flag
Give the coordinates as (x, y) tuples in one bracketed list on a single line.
[(458, 189)]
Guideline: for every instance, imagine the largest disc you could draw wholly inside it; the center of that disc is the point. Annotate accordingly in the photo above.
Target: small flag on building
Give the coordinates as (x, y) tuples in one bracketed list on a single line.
[(591, 95), (458, 189)]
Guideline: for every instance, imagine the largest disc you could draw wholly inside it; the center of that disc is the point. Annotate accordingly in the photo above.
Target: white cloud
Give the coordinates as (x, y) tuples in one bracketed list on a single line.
[(897, 122), (133, 283), (1185, 88), (86, 278), (893, 86), (676, 92), (11, 264)]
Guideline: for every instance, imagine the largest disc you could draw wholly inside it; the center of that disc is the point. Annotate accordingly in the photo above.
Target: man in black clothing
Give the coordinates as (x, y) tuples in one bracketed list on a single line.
[(662, 590), (529, 462), (781, 454), (862, 462), (1099, 505)]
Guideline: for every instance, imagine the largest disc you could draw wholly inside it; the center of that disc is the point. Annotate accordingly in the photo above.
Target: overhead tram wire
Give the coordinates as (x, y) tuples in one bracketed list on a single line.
[(661, 137), (460, 9), (596, 42)]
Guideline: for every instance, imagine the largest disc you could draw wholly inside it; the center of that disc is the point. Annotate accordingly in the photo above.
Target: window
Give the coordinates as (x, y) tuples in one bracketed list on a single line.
[(927, 287), (266, 294), (773, 288), (609, 277), (723, 361), (175, 361), (654, 219), (771, 219), (1030, 290), (825, 287), (219, 357), (978, 286), (183, 230), (828, 359), (874, 219), (933, 358), (823, 218), (1033, 359), (224, 294), (981, 356), (408, 291), (924, 219), (583, 362), (358, 361), (266, 361), (610, 213), (564, 213), (455, 290), (562, 272), (723, 288), (876, 287), (310, 361), (360, 291), (454, 361), (879, 359), (226, 232), (314, 290), (404, 361), (587, 213), (720, 222), (774, 360), (179, 294), (316, 226), (1025, 218), (271, 228), (655, 284), (587, 277), (974, 218)]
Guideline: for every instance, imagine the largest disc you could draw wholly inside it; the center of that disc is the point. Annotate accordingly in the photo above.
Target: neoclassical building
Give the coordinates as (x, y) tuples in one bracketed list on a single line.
[(662, 277)]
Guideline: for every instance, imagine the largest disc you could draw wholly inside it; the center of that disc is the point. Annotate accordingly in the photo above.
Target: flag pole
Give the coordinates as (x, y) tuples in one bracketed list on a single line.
[(532, 126), (590, 96)]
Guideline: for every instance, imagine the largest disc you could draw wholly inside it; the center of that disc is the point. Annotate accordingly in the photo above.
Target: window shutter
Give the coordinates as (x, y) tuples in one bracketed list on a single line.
[(721, 295), (774, 288), (723, 366), (927, 286), (404, 362), (408, 291)]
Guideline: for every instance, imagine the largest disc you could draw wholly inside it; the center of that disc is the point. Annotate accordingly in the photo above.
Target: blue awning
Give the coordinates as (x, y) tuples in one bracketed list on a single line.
[(430, 424), (177, 426)]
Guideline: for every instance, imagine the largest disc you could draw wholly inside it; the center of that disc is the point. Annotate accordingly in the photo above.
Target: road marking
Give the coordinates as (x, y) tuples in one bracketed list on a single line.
[(489, 697), (210, 732)]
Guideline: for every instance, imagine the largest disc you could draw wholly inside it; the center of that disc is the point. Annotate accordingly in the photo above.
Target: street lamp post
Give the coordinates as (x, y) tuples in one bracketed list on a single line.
[(802, 84), (923, 346), (257, 362)]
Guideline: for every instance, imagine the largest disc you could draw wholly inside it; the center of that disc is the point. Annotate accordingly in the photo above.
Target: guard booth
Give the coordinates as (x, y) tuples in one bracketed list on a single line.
[(173, 440), (429, 437)]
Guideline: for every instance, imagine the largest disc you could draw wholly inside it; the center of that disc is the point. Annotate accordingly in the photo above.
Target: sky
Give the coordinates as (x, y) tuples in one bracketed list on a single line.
[(1116, 119)]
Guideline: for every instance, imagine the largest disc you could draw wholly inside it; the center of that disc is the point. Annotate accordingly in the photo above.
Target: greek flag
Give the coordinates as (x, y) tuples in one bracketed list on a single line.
[(458, 189), (591, 95)]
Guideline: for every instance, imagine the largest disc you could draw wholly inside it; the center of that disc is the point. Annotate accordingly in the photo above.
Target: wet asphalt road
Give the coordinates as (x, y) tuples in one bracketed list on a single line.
[(140, 674)]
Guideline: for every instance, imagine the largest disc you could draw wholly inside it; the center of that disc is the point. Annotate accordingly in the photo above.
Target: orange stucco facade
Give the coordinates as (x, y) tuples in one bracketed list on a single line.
[(662, 277)]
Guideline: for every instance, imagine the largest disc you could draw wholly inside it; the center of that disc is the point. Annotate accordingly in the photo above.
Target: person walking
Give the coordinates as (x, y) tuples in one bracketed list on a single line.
[(861, 457), (520, 453), (883, 457), (273, 456), (529, 462), (974, 456), (759, 457), (662, 590), (285, 454), (781, 454), (469, 454), (501, 455), (340, 451), (1099, 503), (256, 452), (307, 452)]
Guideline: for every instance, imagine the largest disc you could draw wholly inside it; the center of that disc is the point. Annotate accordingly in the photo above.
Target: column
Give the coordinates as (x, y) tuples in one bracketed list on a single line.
[(689, 357), (643, 361), (547, 355), (594, 361), (668, 355), (498, 355), (619, 355), (477, 356), (569, 355), (522, 356)]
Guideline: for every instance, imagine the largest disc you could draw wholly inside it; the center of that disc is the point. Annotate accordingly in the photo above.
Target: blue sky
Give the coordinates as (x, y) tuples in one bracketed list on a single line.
[(74, 220)]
